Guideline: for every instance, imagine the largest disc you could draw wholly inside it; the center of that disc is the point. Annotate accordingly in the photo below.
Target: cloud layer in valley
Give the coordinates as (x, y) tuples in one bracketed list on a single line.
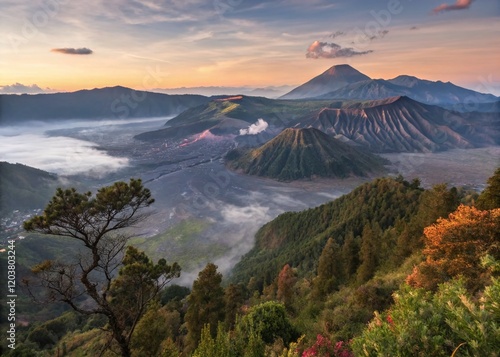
[(73, 51), (319, 49), (56, 154)]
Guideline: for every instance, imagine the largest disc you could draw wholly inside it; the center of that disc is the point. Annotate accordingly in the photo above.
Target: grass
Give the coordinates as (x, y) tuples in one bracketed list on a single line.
[(183, 243)]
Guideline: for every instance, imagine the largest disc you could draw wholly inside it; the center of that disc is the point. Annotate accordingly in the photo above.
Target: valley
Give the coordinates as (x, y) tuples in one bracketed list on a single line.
[(327, 196), (206, 212)]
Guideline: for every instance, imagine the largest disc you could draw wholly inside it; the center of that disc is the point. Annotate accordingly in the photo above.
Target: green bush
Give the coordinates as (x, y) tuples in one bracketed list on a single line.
[(421, 323)]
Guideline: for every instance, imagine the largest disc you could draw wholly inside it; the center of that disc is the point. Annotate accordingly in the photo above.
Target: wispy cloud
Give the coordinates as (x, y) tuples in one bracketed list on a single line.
[(459, 5), (19, 88), (320, 49), (73, 51)]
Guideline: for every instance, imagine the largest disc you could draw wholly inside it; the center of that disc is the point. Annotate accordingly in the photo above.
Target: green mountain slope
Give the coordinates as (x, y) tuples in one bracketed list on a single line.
[(303, 153), (297, 238), (227, 115), (24, 187)]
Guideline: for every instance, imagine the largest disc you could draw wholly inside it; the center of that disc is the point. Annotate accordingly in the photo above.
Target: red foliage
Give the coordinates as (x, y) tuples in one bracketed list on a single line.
[(324, 348)]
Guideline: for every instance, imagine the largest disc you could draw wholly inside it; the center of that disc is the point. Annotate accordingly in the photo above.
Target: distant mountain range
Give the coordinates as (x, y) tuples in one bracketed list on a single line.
[(113, 102), (304, 153), (344, 82), (269, 91)]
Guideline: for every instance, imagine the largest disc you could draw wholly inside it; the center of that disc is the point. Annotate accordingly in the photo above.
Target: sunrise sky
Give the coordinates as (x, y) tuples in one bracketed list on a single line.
[(66, 45)]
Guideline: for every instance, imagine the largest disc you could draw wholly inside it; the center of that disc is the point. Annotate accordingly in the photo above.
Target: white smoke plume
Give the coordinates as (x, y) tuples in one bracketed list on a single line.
[(255, 128)]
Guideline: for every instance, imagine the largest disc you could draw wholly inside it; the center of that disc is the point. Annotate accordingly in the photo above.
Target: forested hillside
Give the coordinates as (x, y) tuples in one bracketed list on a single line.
[(297, 238), (388, 269), (24, 187)]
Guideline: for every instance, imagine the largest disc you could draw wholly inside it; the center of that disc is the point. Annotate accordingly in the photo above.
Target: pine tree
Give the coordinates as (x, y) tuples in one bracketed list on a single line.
[(367, 255), (90, 286), (350, 255), (330, 269), (205, 305), (234, 298)]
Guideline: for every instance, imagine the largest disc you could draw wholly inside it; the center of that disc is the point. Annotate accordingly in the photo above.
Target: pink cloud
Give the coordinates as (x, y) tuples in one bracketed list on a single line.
[(320, 49), (459, 5)]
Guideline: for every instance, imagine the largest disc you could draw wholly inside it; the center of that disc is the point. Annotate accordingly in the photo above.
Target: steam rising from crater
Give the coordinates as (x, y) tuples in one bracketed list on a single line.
[(257, 127)]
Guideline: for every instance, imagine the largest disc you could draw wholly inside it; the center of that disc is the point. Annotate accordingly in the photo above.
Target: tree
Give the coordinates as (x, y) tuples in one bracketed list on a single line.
[(490, 197), (151, 331), (330, 269), (368, 254), (454, 246), (213, 347), (205, 305), (270, 322), (234, 298), (350, 255), (102, 224), (436, 203), (286, 283)]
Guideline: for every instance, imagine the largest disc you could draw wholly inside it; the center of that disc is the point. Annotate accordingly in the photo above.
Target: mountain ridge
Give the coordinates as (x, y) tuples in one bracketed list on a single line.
[(98, 103), (401, 124)]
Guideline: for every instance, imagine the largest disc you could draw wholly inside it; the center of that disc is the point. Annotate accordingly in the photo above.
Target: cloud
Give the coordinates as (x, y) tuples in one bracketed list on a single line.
[(57, 154), (255, 128), (336, 34), (19, 88), (73, 51), (331, 50), (380, 34), (459, 5)]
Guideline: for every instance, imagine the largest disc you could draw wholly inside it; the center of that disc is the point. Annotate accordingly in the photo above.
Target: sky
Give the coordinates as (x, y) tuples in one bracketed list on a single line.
[(65, 45)]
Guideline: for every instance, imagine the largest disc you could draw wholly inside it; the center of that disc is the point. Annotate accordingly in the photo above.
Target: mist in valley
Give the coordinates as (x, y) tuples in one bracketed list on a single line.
[(203, 212)]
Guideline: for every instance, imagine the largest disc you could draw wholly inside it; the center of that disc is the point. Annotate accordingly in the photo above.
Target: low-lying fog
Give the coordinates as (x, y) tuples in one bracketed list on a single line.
[(203, 212), (68, 147)]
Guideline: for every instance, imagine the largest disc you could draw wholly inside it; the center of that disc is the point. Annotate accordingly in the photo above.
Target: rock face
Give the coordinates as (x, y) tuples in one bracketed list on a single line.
[(400, 124), (304, 153), (332, 79)]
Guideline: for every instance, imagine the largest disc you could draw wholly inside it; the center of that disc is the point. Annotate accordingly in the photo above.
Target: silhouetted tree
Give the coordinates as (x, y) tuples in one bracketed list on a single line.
[(88, 284)]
